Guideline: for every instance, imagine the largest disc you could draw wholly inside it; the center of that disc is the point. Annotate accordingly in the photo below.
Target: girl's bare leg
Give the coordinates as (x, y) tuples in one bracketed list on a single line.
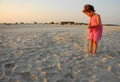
[(90, 46), (95, 48)]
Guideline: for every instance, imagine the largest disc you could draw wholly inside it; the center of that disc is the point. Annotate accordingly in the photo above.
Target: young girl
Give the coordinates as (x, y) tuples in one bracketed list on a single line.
[(95, 28)]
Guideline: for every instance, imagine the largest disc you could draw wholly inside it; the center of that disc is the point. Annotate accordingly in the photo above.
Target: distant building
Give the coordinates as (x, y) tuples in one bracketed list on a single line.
[(66, 23), (21, 22), (52, 22), (35, 22)]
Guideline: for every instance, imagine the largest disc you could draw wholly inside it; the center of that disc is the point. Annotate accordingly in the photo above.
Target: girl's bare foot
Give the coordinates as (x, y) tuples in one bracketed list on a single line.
[(94, 54), (88, 52)]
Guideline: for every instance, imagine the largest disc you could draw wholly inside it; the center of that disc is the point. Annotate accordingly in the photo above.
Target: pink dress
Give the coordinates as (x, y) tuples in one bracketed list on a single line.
[(95, 33)]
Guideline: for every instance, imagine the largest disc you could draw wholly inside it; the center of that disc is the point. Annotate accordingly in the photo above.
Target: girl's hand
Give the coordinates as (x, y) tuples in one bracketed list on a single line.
[(92, 27), (89, 27)]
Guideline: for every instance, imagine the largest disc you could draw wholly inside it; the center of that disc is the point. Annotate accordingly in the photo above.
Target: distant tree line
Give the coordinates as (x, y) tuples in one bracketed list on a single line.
[(59, 23)]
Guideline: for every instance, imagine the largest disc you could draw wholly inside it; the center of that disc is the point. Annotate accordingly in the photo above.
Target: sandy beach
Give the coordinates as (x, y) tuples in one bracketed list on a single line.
[(52, 53)]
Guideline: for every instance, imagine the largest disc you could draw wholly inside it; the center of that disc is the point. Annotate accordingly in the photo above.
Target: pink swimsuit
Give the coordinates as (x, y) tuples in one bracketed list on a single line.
[(95, 33)]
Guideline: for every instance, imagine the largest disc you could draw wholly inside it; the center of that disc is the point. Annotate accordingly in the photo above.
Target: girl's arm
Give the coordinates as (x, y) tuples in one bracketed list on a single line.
[(89, 24), (98, 22)]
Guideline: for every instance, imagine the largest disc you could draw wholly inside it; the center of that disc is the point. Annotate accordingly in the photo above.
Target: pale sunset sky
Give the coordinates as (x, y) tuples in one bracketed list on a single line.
[(43, 11)]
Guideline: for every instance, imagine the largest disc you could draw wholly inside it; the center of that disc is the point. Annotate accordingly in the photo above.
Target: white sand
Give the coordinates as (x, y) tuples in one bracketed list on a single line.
[(51, 53)]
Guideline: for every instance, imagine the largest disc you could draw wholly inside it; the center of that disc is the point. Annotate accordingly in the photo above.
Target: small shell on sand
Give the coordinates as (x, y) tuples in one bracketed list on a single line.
[(59, 67), (44, 80), (57, 57), (109, 68), (35, 77), (18, 39), (110, 57), (19, 53), (94, 77), (103, 60), (44, 74), (119, 64), (17, 81)]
